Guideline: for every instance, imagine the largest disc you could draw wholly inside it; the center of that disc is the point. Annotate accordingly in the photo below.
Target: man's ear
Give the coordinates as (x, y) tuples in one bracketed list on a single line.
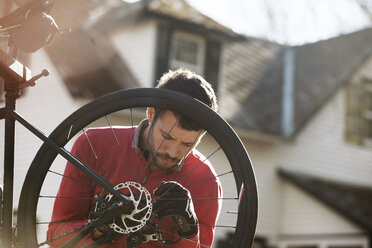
[(150, 112)]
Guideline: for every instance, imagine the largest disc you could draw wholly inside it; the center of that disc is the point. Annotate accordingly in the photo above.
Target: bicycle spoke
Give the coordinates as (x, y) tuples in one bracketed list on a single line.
[(153, 155), (134, 153), (58, 222), (177, 236), (191, 148), (121, 148), (221, 226), (96, 157), (90, 145), (218, 226), (63, 235), (218, 176), (189, 173), (72, 178), (206, 198), (202, 162), (66, 197)]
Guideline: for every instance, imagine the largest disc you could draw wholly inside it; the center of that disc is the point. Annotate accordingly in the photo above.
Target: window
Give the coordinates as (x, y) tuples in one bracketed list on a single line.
[(359, 112), (187, 51)]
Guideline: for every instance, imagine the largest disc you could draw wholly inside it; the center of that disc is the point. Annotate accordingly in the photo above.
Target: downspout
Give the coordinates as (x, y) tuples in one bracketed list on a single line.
[(288, 92)]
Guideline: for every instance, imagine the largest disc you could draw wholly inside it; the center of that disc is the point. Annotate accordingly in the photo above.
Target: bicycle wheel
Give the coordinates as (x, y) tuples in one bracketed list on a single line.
[(239, 207)]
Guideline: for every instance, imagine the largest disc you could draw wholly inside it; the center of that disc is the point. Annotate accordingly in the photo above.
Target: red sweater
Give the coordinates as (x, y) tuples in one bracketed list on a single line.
[(124, 163)]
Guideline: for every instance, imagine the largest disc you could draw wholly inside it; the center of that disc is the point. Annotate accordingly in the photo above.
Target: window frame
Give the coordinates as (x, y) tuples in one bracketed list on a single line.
[(201, 50), (359, 112)]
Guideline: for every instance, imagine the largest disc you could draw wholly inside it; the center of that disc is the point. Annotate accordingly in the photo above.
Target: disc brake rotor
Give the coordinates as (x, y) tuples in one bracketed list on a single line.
[(141, 199)]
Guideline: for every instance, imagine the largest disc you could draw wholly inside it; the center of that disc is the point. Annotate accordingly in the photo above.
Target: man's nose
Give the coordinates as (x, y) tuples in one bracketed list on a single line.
[(172, 151)]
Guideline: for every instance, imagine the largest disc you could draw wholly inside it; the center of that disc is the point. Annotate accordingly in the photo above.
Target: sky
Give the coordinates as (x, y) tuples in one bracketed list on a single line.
[(291, 22)]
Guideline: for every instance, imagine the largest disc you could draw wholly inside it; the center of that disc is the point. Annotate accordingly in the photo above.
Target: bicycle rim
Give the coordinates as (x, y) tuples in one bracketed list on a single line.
[(240, 212)]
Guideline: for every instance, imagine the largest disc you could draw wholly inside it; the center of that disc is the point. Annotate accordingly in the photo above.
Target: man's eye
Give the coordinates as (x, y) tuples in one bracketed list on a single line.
[(166, 136)]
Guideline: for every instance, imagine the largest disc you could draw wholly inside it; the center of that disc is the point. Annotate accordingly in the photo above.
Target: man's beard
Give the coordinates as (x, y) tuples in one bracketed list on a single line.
[(163, 166), (154, 155)]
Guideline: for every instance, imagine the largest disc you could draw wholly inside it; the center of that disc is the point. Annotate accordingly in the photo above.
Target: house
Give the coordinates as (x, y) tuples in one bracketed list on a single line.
[(304, 115), (303, 112), (168, 38)]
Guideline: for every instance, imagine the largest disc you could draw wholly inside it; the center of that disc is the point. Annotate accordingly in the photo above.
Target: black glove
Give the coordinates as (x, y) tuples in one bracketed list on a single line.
[(175, 200)]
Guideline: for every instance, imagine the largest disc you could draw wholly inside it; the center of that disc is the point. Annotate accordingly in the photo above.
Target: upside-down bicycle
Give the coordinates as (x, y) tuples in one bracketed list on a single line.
[(222, 147)]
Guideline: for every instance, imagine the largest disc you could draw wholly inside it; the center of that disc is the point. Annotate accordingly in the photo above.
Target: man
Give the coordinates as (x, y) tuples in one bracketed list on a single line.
[(160, 155)]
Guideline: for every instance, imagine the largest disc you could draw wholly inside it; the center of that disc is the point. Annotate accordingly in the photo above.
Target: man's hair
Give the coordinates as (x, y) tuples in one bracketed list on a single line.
[(189, 83)]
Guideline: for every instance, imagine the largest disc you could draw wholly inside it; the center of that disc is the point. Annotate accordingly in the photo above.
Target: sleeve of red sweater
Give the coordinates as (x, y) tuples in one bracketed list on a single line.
[(207, 206), (75, 196)]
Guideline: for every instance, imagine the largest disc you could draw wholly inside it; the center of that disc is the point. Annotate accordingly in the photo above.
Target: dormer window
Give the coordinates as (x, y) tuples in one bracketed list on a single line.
[(359, 112), (187, 51)]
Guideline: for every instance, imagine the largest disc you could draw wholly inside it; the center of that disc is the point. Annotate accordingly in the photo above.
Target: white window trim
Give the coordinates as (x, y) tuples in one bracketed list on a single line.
[(199, 67), (368, 114), (367, 142)]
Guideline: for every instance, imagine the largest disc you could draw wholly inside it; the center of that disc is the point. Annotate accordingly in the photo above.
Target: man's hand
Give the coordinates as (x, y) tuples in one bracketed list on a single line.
[(175, 200), (100, 231)]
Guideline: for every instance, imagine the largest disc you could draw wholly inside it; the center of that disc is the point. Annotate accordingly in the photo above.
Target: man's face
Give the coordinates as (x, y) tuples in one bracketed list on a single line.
[(168, 141)]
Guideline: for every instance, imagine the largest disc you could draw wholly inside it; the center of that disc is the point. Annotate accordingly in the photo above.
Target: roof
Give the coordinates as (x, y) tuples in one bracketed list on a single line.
[(181, 10), (172, 10), (89, 66), (252, 80), (72, 14), (253, 77), (352, 201), (99, 69), (319, 70)]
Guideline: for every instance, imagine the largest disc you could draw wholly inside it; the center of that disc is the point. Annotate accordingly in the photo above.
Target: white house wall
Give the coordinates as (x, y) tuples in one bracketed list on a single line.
[(354, 241), (44, 106), (305, 221), (265, 158), (136, 46), (302, 214), (320, 150)]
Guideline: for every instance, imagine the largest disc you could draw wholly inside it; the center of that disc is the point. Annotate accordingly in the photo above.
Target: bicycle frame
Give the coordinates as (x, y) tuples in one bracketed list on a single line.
[(13, 84), (11, 80)]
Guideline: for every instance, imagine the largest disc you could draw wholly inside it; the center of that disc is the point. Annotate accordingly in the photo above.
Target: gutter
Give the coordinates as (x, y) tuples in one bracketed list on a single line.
[(288, 100)]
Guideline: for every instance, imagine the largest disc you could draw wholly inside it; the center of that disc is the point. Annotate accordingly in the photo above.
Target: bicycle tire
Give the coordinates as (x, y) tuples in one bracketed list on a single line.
[(133, 98)]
